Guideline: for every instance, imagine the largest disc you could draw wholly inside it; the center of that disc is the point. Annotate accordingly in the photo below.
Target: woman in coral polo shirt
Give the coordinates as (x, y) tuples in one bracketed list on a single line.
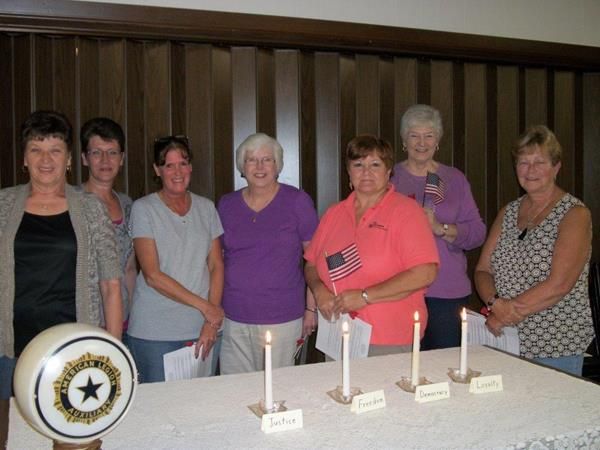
[(375, 250)]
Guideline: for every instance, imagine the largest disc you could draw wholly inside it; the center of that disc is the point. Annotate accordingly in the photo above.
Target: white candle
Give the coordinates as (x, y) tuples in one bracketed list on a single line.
[(268, 374), (346, 361), (463, 342), (416, 350)]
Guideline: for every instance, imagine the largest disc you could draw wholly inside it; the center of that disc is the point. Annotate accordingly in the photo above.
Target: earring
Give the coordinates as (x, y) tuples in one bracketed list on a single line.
[(351, 185), (404, 148), (437, 147), (69, 168), (24, 169)]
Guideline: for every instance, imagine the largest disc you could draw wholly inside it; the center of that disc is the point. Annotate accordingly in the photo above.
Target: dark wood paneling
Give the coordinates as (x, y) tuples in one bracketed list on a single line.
[(347, 112), (222, 121), (405, 95), (23, 93), (69, 17), (244, 98), (327, 126), (423, 81), (287, 117), (7, 125), (308, 114), (88, 59), (442, 86), (536, 100), (137, 144), (508, 129), (591, 152), (367, 94), (43, 72), (564, 127), (387, 126), (198, 111), (265, 92)]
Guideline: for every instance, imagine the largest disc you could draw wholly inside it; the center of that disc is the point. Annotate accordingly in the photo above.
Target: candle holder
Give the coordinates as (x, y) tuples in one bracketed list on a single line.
[(457, 377), (260, 410), (338, 396), (405, 384)]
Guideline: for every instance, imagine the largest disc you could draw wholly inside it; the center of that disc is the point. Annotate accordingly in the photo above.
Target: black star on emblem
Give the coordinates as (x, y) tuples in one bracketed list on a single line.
[(89, 390)]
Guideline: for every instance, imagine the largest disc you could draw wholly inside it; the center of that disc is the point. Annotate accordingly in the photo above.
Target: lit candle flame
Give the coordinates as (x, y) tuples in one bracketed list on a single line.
[(463, 314), (268, 337), (416, 316), (345, 327)]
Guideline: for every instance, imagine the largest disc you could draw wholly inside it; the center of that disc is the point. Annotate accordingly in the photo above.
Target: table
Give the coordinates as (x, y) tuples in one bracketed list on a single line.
[(539, 408)]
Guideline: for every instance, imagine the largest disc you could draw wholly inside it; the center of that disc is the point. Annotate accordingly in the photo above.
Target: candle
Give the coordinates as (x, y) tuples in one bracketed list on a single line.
[(463, 342), (346, 361), (268, 374), (416, 350)]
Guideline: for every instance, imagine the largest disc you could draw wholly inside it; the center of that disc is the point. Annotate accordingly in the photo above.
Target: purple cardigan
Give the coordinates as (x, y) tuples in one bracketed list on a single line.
[(459, 208)]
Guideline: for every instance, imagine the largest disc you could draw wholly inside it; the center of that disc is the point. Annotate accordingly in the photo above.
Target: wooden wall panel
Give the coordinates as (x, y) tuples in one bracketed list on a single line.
[(405, 95), (564, 127), (223, 142), (536, 98), (313, 102), (506, 186), (367, 94), (591, 152), (7, 125), (244, 98), (327, 126), (308, 132), (198, 111), (137, 163), (442, 87), (287, 116)]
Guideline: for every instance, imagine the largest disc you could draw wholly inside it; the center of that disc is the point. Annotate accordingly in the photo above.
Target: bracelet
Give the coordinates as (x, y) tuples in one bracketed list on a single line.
[(489, 303), (313, 310), (365, 296)]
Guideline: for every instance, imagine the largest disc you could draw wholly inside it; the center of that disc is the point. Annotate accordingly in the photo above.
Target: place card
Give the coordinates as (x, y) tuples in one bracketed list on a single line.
[(281, 421), (432, 392), (368, 402), (483, 385)]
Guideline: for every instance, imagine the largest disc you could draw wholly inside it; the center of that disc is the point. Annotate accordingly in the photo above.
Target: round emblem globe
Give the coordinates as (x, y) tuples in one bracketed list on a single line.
[(74, 382)]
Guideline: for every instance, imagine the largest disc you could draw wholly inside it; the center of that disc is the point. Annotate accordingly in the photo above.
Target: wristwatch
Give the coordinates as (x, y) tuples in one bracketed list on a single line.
[(445, 228), (489, 303), (365, 296)]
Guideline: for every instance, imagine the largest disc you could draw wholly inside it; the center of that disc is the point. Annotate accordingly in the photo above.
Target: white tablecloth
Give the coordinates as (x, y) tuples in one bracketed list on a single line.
[(539, 408)]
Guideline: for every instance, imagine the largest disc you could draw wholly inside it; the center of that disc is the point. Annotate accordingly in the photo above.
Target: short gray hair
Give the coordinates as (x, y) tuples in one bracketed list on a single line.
[(422, 115), (255, 142)]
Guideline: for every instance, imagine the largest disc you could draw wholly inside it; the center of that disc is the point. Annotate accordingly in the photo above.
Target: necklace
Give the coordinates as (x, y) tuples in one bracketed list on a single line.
[(531, 220)]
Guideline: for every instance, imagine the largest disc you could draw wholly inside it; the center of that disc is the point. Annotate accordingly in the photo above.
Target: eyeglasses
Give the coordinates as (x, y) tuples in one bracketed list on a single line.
[(373, 166), (98, 154), (266, 161)]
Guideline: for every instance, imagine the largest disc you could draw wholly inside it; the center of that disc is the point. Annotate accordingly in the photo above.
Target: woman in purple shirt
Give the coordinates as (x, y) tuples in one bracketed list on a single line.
[(446, 196), (267, 225)]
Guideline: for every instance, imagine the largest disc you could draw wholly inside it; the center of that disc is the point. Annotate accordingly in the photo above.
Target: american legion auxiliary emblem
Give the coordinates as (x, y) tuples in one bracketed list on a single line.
[(74, 383)]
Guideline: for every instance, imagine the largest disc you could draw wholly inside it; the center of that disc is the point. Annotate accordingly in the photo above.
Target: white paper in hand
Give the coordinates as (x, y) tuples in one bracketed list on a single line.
[(480, 335), (329, 337), (183, 365)]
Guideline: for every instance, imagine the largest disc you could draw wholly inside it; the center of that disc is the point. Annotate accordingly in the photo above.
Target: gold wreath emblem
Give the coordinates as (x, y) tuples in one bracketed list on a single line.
[(105, 373)]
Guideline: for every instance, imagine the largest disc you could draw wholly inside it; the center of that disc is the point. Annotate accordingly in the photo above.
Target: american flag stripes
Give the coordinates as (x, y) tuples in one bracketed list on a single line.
[(434, 186), (343, 263)]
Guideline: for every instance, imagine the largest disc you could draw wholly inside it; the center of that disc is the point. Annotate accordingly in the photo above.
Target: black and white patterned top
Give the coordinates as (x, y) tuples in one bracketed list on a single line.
[(566, 328)]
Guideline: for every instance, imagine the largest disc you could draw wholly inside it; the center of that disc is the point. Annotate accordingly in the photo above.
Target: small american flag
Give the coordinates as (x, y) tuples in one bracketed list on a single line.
[(343, 263), (434, 185)]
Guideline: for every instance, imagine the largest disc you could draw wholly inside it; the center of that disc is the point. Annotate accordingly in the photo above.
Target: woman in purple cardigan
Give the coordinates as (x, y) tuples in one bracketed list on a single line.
[(446, 196)]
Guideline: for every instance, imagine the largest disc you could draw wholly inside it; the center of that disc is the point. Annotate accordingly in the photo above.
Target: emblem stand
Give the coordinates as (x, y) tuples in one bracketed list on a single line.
[(96, 444)]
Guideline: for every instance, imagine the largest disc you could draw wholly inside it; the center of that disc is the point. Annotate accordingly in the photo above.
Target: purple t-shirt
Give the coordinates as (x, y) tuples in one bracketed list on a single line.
[(459, 208), (264, 278)]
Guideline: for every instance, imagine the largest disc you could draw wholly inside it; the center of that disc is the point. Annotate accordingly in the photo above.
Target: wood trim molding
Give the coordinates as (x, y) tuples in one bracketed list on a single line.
[(147, 22)]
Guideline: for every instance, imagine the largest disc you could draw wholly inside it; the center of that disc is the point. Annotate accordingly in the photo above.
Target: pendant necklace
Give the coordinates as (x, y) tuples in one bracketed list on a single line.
[(531, 220)]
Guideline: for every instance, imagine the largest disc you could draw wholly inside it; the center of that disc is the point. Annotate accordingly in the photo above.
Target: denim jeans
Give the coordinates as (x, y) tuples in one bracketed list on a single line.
[(148, 356), (7, 369), (569, 364)]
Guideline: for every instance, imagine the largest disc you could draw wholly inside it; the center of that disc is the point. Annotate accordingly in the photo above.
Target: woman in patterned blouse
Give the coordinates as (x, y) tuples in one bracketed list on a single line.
[(533, 269)]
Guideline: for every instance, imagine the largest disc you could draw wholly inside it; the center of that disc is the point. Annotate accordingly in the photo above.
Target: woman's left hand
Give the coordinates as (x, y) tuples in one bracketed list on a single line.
[(494, 325), (348, 301), (309, 323), (208, 337), (505, 312)]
